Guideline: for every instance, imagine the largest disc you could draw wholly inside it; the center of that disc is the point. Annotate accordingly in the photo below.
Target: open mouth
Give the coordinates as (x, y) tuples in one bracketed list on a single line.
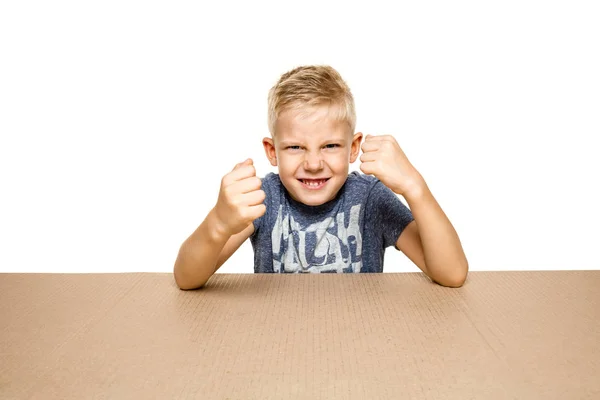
[(313, 184)]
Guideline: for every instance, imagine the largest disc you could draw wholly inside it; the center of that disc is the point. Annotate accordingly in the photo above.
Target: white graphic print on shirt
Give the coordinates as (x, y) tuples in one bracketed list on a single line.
[(318, 240)]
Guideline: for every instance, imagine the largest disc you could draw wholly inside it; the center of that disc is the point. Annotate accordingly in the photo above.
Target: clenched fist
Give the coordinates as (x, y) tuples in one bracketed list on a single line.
[(240, 199), (383, 158)]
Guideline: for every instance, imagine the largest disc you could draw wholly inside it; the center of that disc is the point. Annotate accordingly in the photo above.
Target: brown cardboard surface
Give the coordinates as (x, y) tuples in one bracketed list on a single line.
[(503, 335)]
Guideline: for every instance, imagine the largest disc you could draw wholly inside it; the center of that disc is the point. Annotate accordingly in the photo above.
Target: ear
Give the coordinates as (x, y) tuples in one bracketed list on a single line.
[(355, 147), (269, 146)]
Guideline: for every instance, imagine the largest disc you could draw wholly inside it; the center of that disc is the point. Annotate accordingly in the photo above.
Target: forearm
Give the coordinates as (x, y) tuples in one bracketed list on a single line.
[(197, 258), (445, 259)]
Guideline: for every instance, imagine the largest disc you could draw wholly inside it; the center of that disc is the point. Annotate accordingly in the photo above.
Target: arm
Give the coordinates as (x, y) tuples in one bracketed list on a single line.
[(203, 253), (430, 241), (224, 230)]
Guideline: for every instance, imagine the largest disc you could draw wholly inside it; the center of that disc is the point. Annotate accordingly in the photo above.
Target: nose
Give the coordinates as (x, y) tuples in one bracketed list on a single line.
[(313, 162)]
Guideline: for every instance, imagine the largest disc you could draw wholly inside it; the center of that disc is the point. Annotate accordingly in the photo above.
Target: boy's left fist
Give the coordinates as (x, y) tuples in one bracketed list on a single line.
[(383, 158)]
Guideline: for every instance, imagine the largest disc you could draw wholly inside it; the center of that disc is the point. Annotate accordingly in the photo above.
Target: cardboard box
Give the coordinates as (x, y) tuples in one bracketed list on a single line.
[(503, 335)]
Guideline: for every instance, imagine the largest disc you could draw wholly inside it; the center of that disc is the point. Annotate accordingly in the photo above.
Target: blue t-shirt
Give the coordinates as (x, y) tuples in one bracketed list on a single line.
[(347, 234)]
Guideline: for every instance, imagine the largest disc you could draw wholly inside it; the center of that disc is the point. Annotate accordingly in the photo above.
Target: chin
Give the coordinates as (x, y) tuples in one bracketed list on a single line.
[(311, 202)]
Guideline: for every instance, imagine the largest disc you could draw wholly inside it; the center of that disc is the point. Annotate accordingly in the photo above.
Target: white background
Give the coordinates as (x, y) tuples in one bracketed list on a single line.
[(119, 118)]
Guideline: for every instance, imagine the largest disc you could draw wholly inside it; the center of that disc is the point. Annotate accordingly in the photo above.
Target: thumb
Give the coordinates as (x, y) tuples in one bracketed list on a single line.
[(248, 161)]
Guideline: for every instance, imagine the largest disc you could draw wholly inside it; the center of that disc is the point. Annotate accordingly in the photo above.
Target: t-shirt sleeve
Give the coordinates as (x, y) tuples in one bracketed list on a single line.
[(390, 216), (258, 221), (269, 186)]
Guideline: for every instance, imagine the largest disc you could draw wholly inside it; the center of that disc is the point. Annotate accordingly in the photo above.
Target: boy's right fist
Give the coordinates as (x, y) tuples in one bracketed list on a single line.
[(240, 198)]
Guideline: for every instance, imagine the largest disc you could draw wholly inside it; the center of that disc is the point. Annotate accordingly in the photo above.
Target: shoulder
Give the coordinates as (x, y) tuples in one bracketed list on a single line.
[(359, 182), (375, 193), (367, 188), (271, 179), (274, 191), (271, 182), (271, 185)]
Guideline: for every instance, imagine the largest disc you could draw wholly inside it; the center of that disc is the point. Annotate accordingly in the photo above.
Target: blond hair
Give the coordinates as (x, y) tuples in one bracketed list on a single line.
[(312, 85)]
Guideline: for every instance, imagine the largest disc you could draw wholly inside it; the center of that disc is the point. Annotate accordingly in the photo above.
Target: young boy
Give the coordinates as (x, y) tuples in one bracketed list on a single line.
[(313, 216)]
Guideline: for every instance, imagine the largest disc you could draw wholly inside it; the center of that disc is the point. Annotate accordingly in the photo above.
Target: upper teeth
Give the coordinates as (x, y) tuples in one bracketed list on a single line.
[(313, 183)]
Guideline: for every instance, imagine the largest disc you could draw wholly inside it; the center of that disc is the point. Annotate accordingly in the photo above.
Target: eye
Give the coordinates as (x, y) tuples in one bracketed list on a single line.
[(293, 147), (332, 146)]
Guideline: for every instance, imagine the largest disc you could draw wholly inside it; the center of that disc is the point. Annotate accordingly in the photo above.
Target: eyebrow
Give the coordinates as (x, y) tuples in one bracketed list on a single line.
[(289, 143), (299, 142)]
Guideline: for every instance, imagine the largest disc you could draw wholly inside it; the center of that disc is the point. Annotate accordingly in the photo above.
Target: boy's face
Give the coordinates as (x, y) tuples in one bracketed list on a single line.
[(313, 153)]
